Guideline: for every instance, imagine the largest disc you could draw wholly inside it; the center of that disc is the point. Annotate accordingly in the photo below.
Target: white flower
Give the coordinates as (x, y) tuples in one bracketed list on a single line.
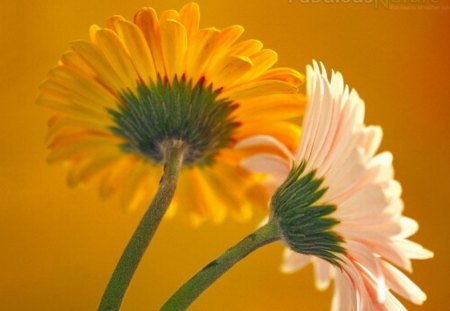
[(339, 150)]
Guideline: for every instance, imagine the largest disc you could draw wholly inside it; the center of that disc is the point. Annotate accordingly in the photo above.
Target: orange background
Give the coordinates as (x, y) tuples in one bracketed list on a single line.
[(59, 246)]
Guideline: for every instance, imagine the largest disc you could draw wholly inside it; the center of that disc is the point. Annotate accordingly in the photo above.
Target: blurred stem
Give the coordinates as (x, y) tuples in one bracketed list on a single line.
[(190, 291), (122, 275)]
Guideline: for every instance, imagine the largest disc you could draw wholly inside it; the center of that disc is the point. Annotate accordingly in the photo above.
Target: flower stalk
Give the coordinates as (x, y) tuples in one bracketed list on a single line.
[(190, 291), (115, 291)]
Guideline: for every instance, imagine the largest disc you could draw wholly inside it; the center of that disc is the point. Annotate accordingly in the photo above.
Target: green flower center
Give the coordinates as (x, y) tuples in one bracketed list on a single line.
[(177, 110), (305, 225)]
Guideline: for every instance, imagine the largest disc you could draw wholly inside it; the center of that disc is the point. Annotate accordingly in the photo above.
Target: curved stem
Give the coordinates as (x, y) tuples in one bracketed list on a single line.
[(122, 275), (186, 294)]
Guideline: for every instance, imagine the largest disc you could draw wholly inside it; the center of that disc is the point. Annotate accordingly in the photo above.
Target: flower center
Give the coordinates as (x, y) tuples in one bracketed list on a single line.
[(177, 110), (304, 223)]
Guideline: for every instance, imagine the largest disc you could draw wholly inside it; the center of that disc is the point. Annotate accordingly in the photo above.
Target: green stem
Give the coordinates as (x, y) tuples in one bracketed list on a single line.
[(122, 275), (186, 294)]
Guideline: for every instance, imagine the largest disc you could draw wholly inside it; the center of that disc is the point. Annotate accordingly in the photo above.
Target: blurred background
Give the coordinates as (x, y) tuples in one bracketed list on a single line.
[(58, 246)]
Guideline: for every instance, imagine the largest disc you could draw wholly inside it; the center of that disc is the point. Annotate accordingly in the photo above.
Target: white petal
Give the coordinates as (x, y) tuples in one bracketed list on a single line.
[(372, 139), (364, 202), (390, 251), (265, 140), (402, 285), (393, 304), (344, 295), (385, 228), (409, 227), (293, 261), (413, 250), (323, 273), (371, 263), (346, 178), (381, 167), (271, 164), (312, 116)]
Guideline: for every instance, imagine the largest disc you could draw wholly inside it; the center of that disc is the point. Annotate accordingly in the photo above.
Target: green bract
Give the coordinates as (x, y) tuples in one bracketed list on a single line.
[(304, 224), (176, 110)]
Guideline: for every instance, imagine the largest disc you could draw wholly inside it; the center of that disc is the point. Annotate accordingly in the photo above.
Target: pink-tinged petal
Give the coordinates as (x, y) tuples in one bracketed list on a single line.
[(389, 250), (372, 198), (402, 285), (267, 163), (323, 127), (372, 140), (371, 263), (343, 184), (355, 278), (314, 87), (380, 168), (293, 261), (323, 273), (393, 304), (408, 227), (344, 298), (392, 189), (413, 250), (264, 141), (352, 229)]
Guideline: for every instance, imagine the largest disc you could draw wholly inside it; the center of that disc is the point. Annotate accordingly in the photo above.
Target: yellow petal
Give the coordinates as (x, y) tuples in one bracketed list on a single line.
[(271, 107), (258, 197), (92, 56), (262, 61), (190, 18), (284, 74), (139, 186), (228, 36), (257, 64), (75, 85), (113, 179), (138, 50), (174, 44), (111, 22), (199, 52), (91, 168), (253, 89), (147, 21), (222, 179), (186, 200), (113, 49), (79, 148), (172, 210), (230, 70), (72, 108), (64, 125), (168, 14), (72, 60), (223, 41), (246, 48), (213, 207)]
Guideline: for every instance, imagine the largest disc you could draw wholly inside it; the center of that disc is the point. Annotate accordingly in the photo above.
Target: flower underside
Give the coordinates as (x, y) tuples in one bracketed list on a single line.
[(175, 110), (303, 221)]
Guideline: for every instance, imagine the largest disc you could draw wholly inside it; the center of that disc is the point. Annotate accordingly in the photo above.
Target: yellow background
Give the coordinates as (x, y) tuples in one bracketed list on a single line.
[(58, 246)]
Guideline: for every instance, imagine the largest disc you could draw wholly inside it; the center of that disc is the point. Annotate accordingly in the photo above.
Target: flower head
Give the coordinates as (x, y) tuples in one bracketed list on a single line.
[(340, 206), (137, 84)]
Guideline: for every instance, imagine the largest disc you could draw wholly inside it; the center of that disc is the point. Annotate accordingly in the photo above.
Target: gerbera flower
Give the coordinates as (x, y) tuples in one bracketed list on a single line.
[(340, 206), (137, 84)]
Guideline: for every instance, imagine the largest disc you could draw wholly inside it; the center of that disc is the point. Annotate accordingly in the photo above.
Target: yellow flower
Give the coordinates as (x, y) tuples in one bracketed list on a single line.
[(138, 83)]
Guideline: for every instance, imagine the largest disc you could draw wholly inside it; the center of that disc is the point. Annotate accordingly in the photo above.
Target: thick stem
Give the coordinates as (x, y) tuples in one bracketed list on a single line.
[(186, 294), (122, 275)]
